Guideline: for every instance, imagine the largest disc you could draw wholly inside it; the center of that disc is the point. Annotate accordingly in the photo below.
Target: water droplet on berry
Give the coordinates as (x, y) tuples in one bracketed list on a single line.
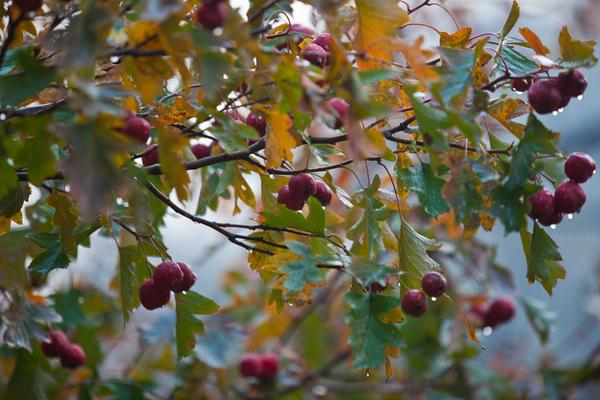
[(2, 117), (487, 331), (593, 172), (570, 216), (291, 304), (114, 59), (553, 226), (580, 97), (248, 251), (561, 109), (434, 299), (271, 176), (319, 390), (555, 113), (368, 374), (517, 91)]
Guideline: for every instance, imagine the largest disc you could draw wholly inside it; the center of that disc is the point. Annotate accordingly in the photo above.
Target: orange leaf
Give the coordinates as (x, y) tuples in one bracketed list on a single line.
[(417, 59), (279, 140), (534, 41), (458, 39)]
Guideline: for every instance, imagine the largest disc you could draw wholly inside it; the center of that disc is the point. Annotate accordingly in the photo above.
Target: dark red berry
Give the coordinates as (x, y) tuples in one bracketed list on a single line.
[(302, 186), (414, 303), (545, 96), (580, 167), (56, 344), (341, 109), (150, 156), (377, 287), (269, 365), (28, 5), (542, 204), (201, 150), (293, 201), (554, 218), (258, 122), (323, 193), (434, 284), (250, 365), (152, 297), (573, 83), (324, 40), (167, 275), (569, 197), (477, 313), (500, 310), (72, 357), (283, 195), (211, 14), (315, 54), (136, 128), (521, 84), (189, 278)]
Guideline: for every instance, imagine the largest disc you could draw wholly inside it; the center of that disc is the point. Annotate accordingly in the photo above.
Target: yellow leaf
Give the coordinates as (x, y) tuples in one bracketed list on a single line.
[(4, 225), (393, 316), (480, 77), (487, 221), (417, 59), (242, 191), (506, 110), (279, 140), (171, 157), (534, 41), (17, 218), (458, 39), (390, 241), (180, 112), (378, 21), (148, 74)]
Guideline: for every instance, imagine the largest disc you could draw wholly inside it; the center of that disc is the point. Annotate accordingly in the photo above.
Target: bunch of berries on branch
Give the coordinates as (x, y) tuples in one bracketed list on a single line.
[(299, 188), (58, 346), (168, 276), (498, 312), (553, 94), (263, 367)]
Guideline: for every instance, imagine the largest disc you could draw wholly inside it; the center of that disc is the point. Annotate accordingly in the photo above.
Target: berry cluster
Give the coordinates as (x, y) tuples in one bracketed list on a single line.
[(168, 276), (299, 188), (414, 302), (136, 128), (58, 346), (554, 94), (211, 14), (263, 367), (150, 153), (499, 311), (569, 196)]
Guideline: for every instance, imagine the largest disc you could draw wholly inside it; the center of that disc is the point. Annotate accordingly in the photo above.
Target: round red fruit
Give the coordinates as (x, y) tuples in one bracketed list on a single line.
[(302, 186), (414, 303), (56, 344), (377, 287), (324, 40), (553, 218), (569, 197), (542, 204), (150, 156), (189, 278), (201, 150), (315, 54), (167, 275), (545, 96), (269, 366), (250, 365), (72, 357), (500, 310), (341, 108), (151, 297), (323, 193), (136, 128), (211, 14), (573, 83), (521, 84), (258, 122), (580, 167), (434, 284)]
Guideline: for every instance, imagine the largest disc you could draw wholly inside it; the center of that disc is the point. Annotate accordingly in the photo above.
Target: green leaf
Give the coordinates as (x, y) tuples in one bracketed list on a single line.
[(463, 194), (541, 318), (512, 19), (27, 380), (304, 271), (65, 219), (8, 177), (375, 75), (52, 258), (427, 186), (414, 260), (431, 120), (188, 305), (132, 269), (283, 217), (457, 72), (543, 258), (216, 181), (213, 66), (366, 271), (36, 153), (518, 64), (576, 53), (369, 335)]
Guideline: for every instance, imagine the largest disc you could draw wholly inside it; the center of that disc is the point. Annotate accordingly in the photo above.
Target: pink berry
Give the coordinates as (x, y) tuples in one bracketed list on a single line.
[(152, 297), (211, 14), (580, 167), (573, 83), (414, 303), (545, 96), (323, 193), (324, 40), (136, 128), (434, 284), (167, 275), (569, 197), (341, 109), (201, 150), (269, 366), (258, 122), (56, 344), (553, 218), (72, 357), (250, 365), (189, 278), (315, 54), (302, 186), (542, 204), (501, 310)]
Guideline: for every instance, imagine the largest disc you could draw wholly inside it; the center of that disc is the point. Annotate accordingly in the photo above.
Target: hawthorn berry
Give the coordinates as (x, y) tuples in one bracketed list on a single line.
[(414, 303), (377, 287), (315, 54), (250, 365), (569, 197), (283, 195), (211, 14), (150, 156), (302, 186), (521, 84), (477, 312), (136, 128), (499, 311), (72, 357), (167, 275), (28, 5), (152, 297), (269, 366), (580, 167), (324, 41), (323, 193), (201, 150), (572, 83), (189, 278), (293, 201), (341, 108), (553, 218), (56, 344), (542, 204), (258, 122), (434, 284), (545, 96)]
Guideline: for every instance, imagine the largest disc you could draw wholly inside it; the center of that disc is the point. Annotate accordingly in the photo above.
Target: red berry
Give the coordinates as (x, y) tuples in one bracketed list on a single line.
[(315, 54), (477, 312), (573, 83), (28, 5), (151, 297), (569, 197), (167, 275), (542, 204), (545, 96), (554, 218), (201, 150), (150, 156), (136, 127), (414, 303), (302, 186), (501, 310), (580, 167), (283, 195), (211, 14), (521, 84), (341, 109), (258, 122), (250, 365), (189, 278), (72, 357), (56, 344), (377, 287), (434, 284), (323, 193), (324, 40), (292, 201), (269, 365)]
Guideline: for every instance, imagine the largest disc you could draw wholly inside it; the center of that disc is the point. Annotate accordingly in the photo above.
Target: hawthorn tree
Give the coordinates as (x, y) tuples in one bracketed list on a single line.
[(116, 113)]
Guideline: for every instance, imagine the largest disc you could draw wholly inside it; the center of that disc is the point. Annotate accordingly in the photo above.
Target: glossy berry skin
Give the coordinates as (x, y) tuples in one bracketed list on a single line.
[(323, 193), (542, 204), (580, 167), (167, 275), (414, 303), (341, 108), (569, 197), (151, 155), (72, 357), (545, 96), (573, 83), (315, 55), (283, 195), (151, 297), (553, 218), (521, 85), (434, 284), (292, 201), (211, 14), (258, 122), (56, 344), (377, 287), (324, 41), (28, 5), (269, 364), (136, 128), (189, 278), (250, 365), (499, 311), (201, 150), (302, 186)]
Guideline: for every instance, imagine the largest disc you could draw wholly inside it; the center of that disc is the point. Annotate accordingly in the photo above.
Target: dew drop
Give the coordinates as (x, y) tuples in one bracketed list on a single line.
[(487, 331), (271, 176), (517, 91), (291, 304), (561, 109), (2, 117), (248, 251), (570, 216), (434, 299), (368, 374), (319, 390), (555, 113), (553, 226), (593, 172), (114, 59), (580, 97)]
